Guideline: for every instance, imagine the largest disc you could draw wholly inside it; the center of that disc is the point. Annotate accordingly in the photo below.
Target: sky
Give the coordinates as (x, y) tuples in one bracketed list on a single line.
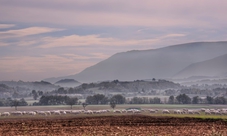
[(42, 39)]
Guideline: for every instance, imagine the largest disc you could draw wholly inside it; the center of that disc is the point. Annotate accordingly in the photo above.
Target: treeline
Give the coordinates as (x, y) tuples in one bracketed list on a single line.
[(62, 90), (184, 99), (10, 102), (100, 99), (180, 99), (56, 100), (197, 91), (119, 99)]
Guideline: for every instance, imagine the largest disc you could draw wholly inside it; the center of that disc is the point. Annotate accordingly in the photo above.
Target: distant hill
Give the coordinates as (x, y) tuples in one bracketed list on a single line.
[(206, 81), (67, 83), (29, 86), (5, 88), (5, 91), (129, 86), (147, 64), (216, 67)]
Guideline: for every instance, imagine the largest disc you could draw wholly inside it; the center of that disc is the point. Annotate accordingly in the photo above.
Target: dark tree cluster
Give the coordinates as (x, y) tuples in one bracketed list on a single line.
[(102, 99), (62, 90), (201, 90), (56, 100), (216, 100), (97, 99), (184, 99), (13, 103), (119, 99), (35, 94)]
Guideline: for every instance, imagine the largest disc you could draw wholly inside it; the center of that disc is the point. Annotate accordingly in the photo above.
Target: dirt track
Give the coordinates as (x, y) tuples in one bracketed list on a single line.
[(113, 125)]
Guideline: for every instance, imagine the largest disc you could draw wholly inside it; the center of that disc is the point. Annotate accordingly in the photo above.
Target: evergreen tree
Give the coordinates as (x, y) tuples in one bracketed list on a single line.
[(183, 99), (171, 99)]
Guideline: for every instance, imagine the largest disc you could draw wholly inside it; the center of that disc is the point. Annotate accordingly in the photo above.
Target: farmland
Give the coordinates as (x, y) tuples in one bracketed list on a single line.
[(114, 125), (110, 123)]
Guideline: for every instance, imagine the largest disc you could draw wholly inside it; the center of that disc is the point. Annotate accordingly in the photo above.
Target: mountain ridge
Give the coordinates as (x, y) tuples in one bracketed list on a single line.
[(163, 62), (212, 67)]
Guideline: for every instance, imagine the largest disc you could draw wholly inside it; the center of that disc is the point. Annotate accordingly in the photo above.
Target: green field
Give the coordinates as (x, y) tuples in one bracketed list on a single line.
[(122, 106), (170, 107), (202, 116)]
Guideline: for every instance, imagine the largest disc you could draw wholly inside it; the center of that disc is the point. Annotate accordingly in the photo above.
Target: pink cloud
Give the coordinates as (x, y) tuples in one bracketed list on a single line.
[(35, 68), (27, 31), (6, 26)]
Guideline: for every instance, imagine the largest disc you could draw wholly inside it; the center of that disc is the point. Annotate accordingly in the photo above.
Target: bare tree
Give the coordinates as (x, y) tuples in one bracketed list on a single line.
[(15, 103), (84, 105), (112, 104)]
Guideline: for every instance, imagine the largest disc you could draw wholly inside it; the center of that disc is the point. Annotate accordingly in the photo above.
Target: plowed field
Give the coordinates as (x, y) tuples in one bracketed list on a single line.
[(134, 125)]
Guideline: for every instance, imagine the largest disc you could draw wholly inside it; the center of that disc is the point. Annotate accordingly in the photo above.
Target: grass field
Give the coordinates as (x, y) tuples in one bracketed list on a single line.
[(125, 106), (122, 106)]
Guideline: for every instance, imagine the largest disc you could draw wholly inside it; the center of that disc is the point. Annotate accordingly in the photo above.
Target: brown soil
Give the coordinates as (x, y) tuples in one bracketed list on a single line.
[(134, 125)]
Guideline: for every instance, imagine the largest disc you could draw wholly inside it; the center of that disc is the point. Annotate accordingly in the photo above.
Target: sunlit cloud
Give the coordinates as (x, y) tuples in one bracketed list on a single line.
[(96, 40), (76, 57), (172, 35), (87, 56), (27, 32), (46, 66), (100, 55), (4, 44), (2, 26), (90, 40)]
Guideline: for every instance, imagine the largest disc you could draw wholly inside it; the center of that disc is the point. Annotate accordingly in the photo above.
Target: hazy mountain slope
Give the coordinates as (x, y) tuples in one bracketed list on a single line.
[(157, 63), (213, 67)]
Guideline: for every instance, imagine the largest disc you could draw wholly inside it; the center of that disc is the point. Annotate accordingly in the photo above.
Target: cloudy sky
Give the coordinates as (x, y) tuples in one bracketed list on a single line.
[(41, 39)]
